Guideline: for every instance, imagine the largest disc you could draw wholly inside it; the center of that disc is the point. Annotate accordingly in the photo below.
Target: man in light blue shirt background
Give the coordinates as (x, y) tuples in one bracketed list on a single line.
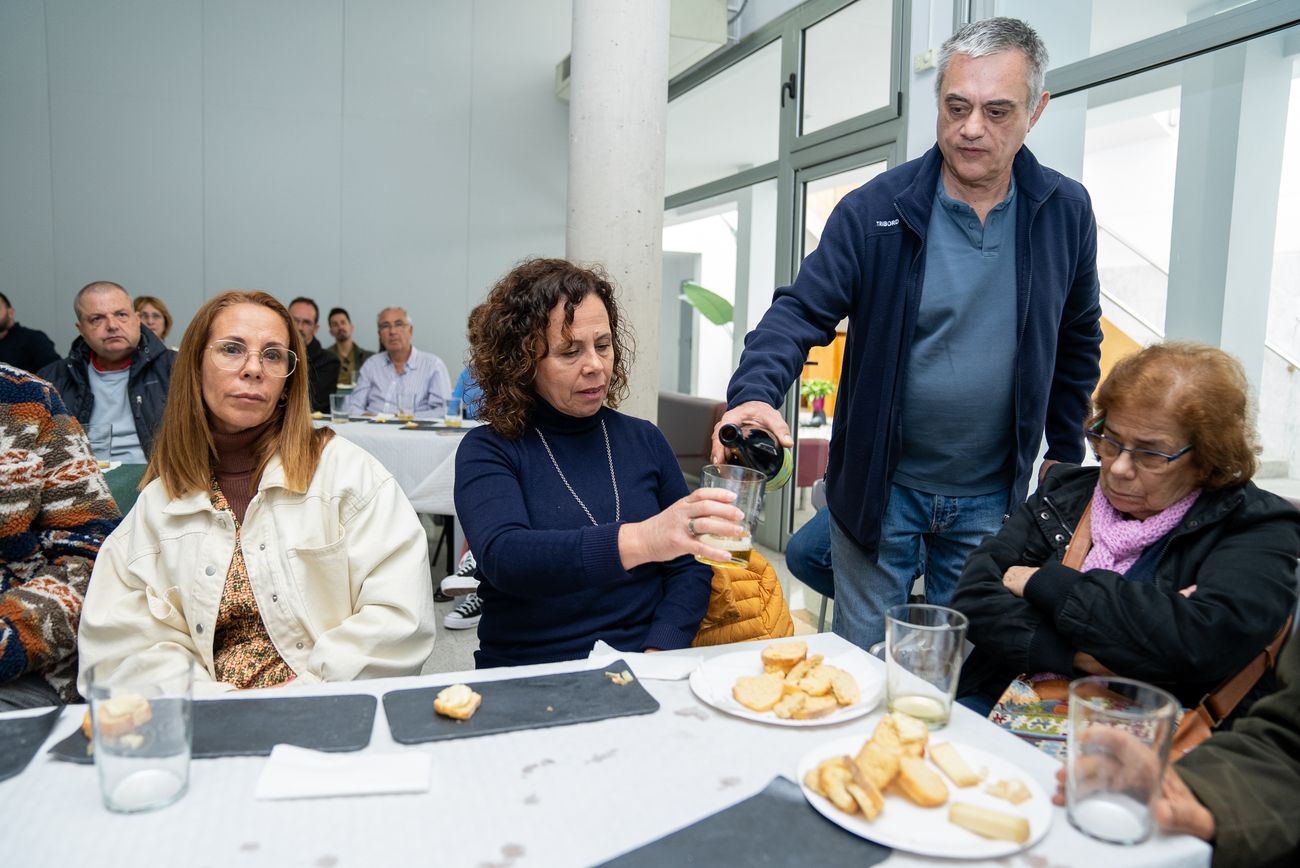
[(400, 377)]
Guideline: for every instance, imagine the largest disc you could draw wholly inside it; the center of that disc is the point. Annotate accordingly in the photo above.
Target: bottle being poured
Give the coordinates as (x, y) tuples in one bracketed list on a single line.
[(759, 450)]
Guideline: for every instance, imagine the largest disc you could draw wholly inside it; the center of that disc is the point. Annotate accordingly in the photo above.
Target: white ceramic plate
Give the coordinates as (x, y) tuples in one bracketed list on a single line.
[(926, 831), (713, 680)]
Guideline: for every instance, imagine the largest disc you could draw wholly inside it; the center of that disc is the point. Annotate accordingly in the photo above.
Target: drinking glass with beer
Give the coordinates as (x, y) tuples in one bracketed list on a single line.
[(748, 486)]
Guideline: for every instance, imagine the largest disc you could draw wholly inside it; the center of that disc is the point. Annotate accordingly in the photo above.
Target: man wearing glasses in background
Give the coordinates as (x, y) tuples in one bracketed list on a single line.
[(116, 377), (400, 379)]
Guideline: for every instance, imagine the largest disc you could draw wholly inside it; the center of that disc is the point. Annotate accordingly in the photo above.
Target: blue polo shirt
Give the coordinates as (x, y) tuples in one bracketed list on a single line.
[(957, 412)]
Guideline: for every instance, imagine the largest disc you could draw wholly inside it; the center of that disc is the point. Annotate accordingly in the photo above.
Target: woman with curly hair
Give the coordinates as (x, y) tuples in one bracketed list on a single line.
[(577, 514)]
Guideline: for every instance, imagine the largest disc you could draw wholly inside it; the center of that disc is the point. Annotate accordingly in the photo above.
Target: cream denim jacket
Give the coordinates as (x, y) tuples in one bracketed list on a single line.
[(340, 573)]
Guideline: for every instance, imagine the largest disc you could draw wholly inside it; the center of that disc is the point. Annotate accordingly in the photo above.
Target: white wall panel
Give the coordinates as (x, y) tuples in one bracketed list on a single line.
[(125, 122), (26, 205)]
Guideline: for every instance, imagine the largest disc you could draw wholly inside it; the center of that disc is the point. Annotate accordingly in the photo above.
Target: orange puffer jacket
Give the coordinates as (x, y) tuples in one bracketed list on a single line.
[(746, 604)]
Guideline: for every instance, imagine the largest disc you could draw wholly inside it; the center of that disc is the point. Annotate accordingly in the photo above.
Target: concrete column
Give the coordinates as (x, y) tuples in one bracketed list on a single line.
[(1232, 123), (618, 107)]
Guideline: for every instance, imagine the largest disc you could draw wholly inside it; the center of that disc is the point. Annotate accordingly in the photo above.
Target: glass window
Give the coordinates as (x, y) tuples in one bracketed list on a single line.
[(726, 246), (726, 124), (847, 61), (1194, 174), (1077, 31)]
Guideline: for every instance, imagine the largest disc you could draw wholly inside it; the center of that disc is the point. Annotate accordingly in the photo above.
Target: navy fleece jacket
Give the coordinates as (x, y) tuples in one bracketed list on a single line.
[(870, 266)]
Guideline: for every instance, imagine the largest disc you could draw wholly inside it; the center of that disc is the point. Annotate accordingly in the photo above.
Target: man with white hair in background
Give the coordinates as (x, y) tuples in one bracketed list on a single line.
[(116, 377), (400, 377), (957, 361)]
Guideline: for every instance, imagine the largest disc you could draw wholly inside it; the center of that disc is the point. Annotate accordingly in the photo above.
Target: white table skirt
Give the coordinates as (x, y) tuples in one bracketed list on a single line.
[(423, 462), (572, 795)]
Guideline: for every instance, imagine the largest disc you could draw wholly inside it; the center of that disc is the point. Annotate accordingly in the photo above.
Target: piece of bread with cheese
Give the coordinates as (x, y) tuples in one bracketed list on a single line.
[(457, 701)]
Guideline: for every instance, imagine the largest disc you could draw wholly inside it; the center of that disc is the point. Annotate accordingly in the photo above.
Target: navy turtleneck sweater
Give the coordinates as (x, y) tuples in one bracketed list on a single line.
[(552, 582)]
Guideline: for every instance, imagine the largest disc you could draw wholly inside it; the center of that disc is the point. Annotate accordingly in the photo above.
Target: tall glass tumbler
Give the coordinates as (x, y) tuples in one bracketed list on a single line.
[(748, 485), (143, 731), (924, 646), (1116, 754)]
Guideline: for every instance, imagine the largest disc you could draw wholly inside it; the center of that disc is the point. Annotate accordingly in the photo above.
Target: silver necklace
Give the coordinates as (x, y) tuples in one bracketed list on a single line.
[(618, 506)]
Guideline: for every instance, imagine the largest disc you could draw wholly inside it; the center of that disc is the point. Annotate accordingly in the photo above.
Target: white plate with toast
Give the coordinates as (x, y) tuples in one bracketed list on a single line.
[(907, 826), (714, 680)]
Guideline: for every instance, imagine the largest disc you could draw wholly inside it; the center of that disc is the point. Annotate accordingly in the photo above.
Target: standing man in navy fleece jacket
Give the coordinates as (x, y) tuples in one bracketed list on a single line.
[(969, 280)]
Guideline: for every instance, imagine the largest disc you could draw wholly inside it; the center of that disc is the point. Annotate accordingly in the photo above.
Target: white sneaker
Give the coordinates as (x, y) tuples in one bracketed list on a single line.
[(462, 581), (466, 615)]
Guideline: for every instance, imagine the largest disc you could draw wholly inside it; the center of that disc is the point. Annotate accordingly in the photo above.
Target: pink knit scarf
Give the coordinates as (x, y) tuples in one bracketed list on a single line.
[(1118, 542)]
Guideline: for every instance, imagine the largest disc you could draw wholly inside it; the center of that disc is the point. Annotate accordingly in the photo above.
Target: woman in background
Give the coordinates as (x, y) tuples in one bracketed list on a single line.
[(154, 315)]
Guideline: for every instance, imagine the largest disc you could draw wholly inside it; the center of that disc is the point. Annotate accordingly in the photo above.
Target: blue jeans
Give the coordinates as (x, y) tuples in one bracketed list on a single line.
[(920, 534), (808, 554)]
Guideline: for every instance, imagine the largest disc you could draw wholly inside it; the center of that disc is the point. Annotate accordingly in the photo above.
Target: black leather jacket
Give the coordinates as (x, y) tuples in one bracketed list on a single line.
[(147, 384), (1238, 546)]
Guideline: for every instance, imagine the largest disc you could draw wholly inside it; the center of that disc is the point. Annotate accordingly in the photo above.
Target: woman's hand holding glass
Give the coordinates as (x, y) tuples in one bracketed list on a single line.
[(675, 531)]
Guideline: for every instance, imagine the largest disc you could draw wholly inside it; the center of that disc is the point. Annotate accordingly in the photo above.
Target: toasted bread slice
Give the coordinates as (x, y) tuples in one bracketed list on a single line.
[(784, 656), (870, 801), (816, 706), (121, 714), (457, 701), (878, 764), (864, 792), (802, 668), (817, 682), (913, 734), (790, 704), (920, 783), (949, 761), (759, 692), (834, 779), (845, 687)]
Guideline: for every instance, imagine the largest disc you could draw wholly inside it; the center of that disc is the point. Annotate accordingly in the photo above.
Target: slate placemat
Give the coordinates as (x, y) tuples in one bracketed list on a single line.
[(519, 703), (251, 727), (19, 739), (775, 827)]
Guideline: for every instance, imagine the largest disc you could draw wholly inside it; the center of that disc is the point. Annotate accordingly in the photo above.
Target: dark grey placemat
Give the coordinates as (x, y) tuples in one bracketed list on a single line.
[(775, 827), (19, 739), (519, 703), (251, 727)]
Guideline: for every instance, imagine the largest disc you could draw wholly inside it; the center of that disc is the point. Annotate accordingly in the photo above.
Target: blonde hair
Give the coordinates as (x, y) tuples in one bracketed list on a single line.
[(184, 455)]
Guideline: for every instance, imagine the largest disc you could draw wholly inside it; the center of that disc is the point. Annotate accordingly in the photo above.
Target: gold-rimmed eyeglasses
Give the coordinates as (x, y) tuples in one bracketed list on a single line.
[(233, 355)]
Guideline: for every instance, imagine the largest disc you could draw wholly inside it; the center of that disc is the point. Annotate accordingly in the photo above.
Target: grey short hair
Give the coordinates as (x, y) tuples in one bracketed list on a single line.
[(993, 36), (97, 286), (405, 315)]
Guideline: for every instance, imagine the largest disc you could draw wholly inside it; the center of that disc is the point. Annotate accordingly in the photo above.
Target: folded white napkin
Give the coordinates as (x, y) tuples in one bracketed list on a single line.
[(298, 773), (648, 667)]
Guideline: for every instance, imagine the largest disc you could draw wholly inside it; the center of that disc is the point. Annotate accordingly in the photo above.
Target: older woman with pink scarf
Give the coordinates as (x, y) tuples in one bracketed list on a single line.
[(1165, 563)]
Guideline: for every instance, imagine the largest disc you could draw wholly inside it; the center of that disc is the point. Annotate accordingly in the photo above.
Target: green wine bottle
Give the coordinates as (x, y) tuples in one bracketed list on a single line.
[(757, 449)]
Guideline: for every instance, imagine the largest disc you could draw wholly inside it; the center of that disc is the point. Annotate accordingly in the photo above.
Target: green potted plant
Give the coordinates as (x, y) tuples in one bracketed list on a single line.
[(815, 393)]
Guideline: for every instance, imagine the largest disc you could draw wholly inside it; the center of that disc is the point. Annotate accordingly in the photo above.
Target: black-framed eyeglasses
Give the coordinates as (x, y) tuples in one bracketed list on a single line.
[(1151, 460), (233, 355)]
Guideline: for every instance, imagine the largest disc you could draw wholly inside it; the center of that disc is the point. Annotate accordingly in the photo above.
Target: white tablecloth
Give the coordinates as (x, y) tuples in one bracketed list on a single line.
[(572, 795), (422, 461)]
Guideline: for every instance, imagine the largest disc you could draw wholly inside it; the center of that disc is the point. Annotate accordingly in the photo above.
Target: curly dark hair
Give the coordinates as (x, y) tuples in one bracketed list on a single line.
[(1206, 391), (507, 336)]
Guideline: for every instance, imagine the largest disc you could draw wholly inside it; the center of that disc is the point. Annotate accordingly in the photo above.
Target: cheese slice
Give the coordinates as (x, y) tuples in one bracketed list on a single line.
[(989, 823)]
